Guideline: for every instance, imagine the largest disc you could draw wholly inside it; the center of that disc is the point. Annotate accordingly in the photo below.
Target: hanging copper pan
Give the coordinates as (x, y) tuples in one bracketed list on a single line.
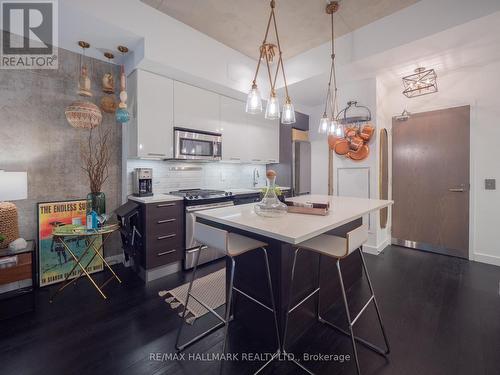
[(356, 143), (360, 154), (341, 147), (333, 140), (367, 132), (350, 132)]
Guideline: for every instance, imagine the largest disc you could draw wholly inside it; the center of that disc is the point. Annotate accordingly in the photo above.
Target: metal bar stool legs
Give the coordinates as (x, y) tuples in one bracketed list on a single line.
[(202, 335), (379, 316), (350, 321), (348, 314), (229, 304), (225, 321), (373, 299)]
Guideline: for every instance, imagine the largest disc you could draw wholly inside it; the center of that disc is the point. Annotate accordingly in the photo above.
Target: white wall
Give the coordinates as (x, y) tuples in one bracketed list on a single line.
[(365, 92), (476, 86)]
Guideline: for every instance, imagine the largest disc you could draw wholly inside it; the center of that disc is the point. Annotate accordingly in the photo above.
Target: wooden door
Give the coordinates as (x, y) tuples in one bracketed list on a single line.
[(431, 181)]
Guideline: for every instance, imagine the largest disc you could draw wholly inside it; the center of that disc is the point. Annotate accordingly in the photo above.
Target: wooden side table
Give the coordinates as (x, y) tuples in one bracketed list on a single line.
[(18, 282)]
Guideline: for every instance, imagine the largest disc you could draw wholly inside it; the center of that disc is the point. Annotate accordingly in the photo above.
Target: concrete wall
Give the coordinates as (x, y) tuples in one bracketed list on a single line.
[(35, 137)]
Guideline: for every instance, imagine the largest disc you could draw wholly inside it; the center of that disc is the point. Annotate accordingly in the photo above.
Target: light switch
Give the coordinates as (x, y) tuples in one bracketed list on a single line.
[(490, 184)]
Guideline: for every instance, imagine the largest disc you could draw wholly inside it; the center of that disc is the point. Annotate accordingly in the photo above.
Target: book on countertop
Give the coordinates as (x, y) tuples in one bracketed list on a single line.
[(308, 208), (308, 204)]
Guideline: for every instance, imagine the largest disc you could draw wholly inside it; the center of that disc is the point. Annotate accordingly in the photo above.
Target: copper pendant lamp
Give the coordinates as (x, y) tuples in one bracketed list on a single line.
[(328, 123), (268, 52)]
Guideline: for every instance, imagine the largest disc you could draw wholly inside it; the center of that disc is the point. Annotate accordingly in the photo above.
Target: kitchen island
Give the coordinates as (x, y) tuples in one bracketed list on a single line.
[(283, 234)]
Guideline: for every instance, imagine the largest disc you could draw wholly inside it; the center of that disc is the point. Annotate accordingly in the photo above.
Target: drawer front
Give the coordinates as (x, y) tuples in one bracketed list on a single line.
[(17, 273), (164, 233), (161, 256), (159, 227), (164, 210), (164, 240)]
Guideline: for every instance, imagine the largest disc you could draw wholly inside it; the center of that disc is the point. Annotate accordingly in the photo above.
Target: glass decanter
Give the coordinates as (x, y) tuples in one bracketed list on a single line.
[(270, 205)]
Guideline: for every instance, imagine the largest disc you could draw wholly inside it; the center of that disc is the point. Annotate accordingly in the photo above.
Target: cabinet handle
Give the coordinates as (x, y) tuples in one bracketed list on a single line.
[(156, 154), (234, 158), (272, 160), (166, 252), (166, 221), (256, 160), (165, 205), (167, 236)]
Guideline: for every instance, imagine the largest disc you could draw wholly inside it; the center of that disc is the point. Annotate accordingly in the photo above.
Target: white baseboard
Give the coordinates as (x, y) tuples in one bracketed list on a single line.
[(376, 250), (485, 258)]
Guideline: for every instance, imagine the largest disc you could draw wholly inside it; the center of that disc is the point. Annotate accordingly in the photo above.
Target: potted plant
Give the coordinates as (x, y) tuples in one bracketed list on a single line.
[(95, 155)]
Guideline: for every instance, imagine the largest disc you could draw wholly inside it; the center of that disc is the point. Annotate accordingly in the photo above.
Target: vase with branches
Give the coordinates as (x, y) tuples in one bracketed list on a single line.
[(96, 153)]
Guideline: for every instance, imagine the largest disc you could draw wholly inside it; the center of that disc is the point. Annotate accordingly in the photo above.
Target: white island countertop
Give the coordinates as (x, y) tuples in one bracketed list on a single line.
[(295, 228)]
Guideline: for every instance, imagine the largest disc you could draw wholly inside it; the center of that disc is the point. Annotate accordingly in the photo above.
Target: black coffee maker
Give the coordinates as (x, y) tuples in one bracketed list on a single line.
[(142, 180)]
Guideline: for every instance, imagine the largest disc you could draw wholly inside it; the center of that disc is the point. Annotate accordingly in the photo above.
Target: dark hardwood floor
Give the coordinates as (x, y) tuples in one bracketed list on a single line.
[(442, 316)]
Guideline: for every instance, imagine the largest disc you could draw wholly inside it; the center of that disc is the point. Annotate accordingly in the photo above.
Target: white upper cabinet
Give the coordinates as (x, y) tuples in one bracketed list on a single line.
[(234, 129), (264, 138), (195, 108), (158, 104), (247, 138), (151, 126)]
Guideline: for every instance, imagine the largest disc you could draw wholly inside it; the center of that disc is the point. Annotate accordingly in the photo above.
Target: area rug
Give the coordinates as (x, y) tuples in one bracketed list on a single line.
[(210, 289)]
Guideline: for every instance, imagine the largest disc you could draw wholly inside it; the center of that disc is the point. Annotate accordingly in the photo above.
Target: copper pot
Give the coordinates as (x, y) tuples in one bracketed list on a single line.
[(333, 140), (367, 133), (360, 154), (350, 132), (356, 143), (341, 147)]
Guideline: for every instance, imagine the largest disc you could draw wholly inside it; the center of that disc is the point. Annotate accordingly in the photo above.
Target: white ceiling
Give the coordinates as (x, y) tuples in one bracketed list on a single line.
[(302, 24), (475, 43)]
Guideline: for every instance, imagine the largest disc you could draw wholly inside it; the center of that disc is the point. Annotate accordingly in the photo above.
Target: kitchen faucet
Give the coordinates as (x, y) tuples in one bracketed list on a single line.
[(255, 177)]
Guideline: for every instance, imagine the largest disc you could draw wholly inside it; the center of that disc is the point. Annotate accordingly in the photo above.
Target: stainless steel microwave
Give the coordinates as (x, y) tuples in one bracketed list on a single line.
[(192, 144)]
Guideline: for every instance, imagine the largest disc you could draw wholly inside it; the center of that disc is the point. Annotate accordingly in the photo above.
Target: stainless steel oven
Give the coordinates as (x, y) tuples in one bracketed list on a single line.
[(207, 253), (192, 144)]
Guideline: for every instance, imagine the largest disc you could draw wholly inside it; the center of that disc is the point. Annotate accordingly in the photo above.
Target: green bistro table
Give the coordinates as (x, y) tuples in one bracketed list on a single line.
[(63, 235)]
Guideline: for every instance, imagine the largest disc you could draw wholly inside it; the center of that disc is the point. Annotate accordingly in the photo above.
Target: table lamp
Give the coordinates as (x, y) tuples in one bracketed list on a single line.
[(13, 186)]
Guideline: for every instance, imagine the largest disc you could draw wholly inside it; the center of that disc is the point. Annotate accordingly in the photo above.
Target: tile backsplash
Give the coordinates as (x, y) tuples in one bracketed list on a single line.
[(210, 175)]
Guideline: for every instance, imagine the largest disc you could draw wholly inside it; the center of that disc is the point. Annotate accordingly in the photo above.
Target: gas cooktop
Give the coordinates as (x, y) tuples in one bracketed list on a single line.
[(198, 194)]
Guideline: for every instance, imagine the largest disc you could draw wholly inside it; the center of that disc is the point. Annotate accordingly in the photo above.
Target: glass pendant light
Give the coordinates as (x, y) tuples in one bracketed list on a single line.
[(254, 100), (335, 128), (273, 107), (268, 53), (324, 124), (288, 114)]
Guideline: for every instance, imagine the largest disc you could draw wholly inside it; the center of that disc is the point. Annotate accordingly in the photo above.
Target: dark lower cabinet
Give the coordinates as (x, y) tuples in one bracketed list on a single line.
[(163, 231)]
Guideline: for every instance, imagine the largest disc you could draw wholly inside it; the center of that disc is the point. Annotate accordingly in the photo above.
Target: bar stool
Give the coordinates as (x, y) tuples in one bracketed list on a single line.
[(339, 248), (234, 245)]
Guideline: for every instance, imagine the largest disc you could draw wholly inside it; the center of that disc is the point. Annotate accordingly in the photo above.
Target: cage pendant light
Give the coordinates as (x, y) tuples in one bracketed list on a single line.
[(267, 56), (328, 123)]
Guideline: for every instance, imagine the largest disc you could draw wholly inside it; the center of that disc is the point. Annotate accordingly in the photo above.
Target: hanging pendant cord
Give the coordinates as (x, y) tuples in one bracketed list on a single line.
[(280, 61), (262, 50), (335, 109)]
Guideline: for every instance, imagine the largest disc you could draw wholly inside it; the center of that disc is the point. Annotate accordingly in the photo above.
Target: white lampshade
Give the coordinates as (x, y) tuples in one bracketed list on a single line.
[(13, 186)]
